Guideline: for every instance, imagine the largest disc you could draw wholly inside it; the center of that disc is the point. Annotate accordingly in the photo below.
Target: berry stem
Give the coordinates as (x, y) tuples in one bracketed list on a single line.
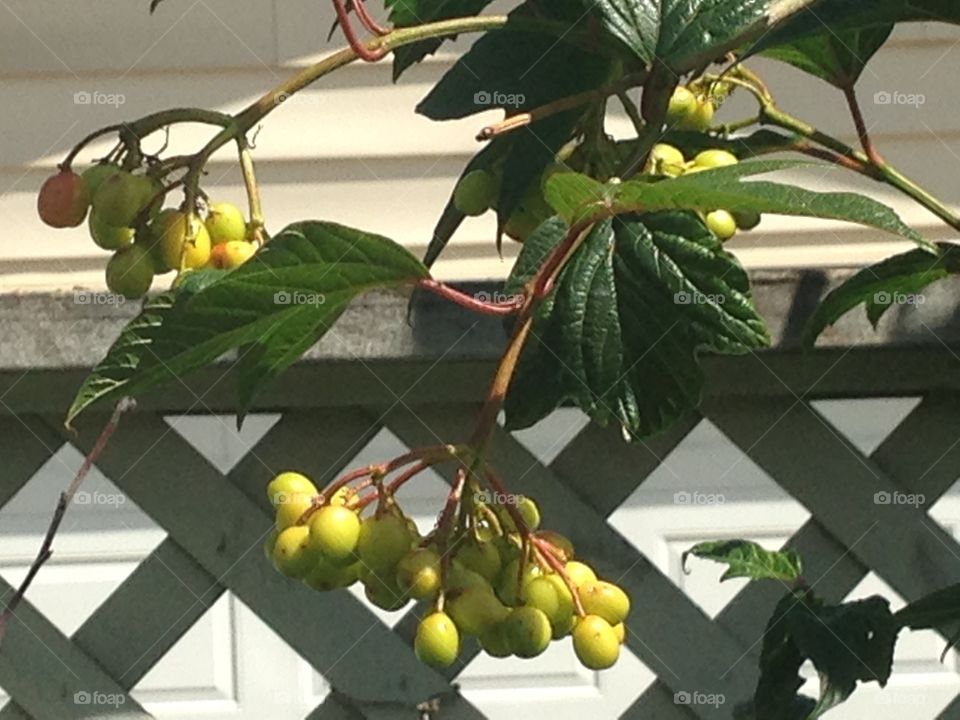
[(407, 475), (149, 124), (256, 225), (547, 551)]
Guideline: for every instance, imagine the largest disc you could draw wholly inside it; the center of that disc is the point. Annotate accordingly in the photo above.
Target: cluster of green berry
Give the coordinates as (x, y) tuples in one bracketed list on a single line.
[(503, 582), (667, 160), (126, 216)]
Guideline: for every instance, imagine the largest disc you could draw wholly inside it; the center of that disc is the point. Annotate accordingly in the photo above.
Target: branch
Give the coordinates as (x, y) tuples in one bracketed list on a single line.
[(883, 172), (534, 292), (865, 140), (66, 497), (570, 102)]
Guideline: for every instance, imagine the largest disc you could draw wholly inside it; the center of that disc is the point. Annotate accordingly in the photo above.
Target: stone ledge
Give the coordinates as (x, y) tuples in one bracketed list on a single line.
[(55, 331)]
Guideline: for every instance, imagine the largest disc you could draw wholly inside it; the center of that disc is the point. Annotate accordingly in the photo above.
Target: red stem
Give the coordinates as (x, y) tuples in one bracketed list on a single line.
[(406, 475), (868, 147), (367, 20), (471, 302), (358, 47)]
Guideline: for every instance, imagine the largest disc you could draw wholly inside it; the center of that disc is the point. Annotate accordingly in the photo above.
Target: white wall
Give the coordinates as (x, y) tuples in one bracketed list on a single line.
[(351, 148)]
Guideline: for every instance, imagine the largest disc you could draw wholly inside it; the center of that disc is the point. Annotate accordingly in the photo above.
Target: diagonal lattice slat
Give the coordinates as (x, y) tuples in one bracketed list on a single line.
[(837, 484), (829, 565), (48, 675), (215, 522), (664, 637)]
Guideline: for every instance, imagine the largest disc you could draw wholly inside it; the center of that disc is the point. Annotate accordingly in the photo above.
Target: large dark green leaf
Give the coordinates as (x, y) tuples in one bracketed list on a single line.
[(276, 305), (848, 643), (837, 56), (686, 34), (451, 218), (408, 13), (514, 70), (621, 332), (840, 16), (748, 559), (935, 611), (892, 281), (721, 188)]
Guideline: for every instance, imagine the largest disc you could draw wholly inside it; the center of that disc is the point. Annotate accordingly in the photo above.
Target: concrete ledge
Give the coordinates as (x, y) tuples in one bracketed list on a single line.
[(374, 356)]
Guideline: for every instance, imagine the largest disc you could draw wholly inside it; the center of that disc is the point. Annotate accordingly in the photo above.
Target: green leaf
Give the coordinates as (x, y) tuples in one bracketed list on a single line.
[(841, 16), (848, 643), (276, 305), (515, 70), (532, 149), (409, 13), (780, 661), (839, 57), (683, 34), (721, 188), (933, 610), (748, 559), (451, 218), (621, 332), (896, 280)]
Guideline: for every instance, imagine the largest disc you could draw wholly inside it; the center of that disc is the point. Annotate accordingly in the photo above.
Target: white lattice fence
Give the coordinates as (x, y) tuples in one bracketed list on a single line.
[(216, 522)]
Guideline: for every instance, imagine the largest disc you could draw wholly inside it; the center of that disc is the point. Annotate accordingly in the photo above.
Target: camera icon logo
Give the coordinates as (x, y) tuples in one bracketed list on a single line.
[(882, 98), (282, 298), (681, 498), (882, 298), (682, 298), (882, 498), (82, 97), (482, 97), (681, 698), (82, 697)]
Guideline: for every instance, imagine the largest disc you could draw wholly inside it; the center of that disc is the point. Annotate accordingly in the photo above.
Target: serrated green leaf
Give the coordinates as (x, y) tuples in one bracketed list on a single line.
[(890, 281), (721, 188), (409, 13), (277, 304), (748, 559), (837, 56), (686, 34), (660, 287), (841, 16), (515, 70)]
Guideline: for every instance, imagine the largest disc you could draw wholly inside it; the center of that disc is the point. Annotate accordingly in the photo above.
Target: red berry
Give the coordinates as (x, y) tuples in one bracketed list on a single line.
[(63, 200)]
